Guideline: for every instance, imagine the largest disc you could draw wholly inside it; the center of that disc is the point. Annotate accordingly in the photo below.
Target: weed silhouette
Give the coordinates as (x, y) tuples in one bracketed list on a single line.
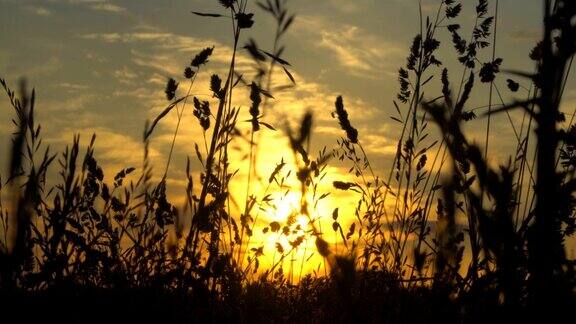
[(444, 236)]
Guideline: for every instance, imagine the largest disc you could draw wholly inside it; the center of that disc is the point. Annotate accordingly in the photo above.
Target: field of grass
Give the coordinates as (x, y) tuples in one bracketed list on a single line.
[(444, 235)]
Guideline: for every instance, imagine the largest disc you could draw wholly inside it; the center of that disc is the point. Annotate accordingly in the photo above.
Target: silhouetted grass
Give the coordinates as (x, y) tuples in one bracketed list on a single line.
[(85, 249)]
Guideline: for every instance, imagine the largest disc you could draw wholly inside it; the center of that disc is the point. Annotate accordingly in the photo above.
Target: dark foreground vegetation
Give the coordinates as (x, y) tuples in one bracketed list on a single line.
[(85, 250)]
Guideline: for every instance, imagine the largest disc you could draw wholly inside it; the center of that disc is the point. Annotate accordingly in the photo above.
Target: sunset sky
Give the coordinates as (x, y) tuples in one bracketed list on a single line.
[(101, 66)]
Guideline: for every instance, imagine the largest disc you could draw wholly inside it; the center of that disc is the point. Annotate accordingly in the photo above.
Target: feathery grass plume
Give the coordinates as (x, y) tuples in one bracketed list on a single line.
[(489, 70), (202, 113), (464, 96), (254, 108), (482, 8), (216, 86), (405, 92), (536, 52), (453, 11), (429, 46), (469, 51), (351, 132), (414, 52), (227, 3), (171, 87), (188, 72), (459, 43), (512, 85), (245, 20), (202, 57)]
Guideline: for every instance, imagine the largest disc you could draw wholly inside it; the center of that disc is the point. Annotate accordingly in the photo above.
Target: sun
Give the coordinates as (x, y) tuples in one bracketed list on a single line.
[(286, 238)]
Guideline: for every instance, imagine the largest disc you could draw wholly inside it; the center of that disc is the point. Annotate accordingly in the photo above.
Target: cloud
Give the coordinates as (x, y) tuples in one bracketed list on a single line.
[(125, 75), (71, 87), (39, 10), (380, 144), (51, 65), (156, 55), (525, 35), (96, 57), (162, 52), (109, 7), (358, 51), (348, 6), (69, 108), (113, 149), (169, 42), (97, 5), (132, 37), (109, 37)]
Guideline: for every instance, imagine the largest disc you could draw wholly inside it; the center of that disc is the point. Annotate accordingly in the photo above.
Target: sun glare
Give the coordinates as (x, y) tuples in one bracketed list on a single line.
[(283, 239)]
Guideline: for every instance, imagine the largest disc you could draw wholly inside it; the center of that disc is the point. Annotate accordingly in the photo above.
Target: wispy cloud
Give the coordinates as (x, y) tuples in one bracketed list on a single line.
[(48, 67), (95, 57), (523, 35), (162, 53), (125, 75), (156, 54), (98, 5), (72, 87), (114, 149), (69, 107), (358, 51), (109, 7), (348, 6), (38, 10)]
